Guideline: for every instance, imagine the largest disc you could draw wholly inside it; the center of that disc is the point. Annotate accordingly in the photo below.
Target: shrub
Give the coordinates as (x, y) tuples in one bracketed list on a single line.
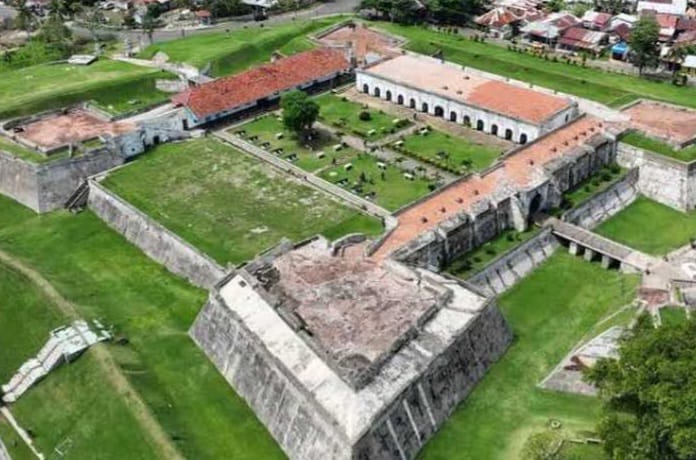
[(364, 116)]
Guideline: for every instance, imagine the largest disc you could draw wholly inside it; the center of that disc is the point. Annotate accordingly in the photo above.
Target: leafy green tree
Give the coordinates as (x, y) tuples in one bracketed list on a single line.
[(149, 25), (556, 5), (649, 394), (299, 111), (644, 43)]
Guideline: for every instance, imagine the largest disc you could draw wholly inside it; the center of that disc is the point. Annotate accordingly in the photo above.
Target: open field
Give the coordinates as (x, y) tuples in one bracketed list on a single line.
[(112, 84), (228, 204), (653, 145), (506, 407), (650, 227), (301, 153), (454, 152), (14, 443), (605, 87), (387, 187), (345, 115), (672, 315), (237, 50), (473, 261), (104, 277)]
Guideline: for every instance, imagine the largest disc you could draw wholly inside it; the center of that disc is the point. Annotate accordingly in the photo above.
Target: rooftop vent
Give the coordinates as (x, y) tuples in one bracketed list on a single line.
[(424, 219)]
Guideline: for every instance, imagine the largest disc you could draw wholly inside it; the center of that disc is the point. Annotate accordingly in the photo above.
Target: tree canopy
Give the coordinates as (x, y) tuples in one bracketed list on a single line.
[(650, 394), (299, 111), (644, 43)]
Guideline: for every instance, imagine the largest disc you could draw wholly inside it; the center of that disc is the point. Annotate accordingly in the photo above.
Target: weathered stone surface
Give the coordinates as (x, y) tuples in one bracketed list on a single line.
[(311, 410), (153, 239)]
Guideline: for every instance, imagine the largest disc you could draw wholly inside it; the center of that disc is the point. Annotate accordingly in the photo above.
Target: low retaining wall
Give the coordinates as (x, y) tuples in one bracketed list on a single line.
[(605, 204), (505, 271), (153, 239), (663, 179), (46, 187)]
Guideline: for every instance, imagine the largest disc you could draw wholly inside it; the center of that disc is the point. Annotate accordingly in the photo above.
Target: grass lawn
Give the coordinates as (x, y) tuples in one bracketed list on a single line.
[(29, 155), (608, 88), (111, 84), (653, 145), (650, 227), (599, 182), (240, 49), (391, 190), (105, 277), (473, 261), (453, 151), (506, 407), (266, 128), (672, 315), (228, 204), (345, 115), (16, 447)]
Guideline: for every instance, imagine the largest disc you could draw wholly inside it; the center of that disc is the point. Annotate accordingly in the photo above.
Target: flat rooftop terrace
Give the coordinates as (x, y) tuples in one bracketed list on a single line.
[(357, 309), (75, 126), (677, 124), (453, 82)]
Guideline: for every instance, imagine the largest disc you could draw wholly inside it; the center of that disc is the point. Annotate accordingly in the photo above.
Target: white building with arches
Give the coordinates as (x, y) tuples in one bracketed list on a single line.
[(447, 90)]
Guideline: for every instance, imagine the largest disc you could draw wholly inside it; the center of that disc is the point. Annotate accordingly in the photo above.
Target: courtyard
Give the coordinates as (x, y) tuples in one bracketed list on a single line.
[(228, 204), (507, 407), (650, 227)]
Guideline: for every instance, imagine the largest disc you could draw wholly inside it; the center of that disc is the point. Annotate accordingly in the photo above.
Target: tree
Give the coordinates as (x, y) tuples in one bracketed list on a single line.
[(149, 25), (649, 393), (299, 111), (556, 5), (644, 43)]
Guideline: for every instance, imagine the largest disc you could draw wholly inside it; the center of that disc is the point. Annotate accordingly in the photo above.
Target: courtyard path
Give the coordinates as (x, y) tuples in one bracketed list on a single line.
[(141, 412)]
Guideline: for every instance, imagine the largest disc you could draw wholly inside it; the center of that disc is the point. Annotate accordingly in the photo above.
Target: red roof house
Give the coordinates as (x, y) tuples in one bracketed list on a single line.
[(233, 94)]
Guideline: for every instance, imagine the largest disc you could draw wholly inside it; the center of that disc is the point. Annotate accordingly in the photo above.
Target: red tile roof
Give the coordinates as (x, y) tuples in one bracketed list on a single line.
[(263, 81)]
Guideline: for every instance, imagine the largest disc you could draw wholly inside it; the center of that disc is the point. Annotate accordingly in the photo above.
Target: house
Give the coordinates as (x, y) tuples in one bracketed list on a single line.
[(505, 21), (204, 17), (689, 65), (260, 86), (621, 33), (579, 39), (668, 25), (663, 6), (594, 20), (687, 38), (627, 19), (549, 29)]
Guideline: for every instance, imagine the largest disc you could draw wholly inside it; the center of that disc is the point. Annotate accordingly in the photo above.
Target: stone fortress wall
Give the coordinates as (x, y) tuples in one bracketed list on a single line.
[(663, 179)]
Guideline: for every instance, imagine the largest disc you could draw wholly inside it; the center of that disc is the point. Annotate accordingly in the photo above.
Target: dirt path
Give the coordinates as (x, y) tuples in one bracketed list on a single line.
[(137, 406)]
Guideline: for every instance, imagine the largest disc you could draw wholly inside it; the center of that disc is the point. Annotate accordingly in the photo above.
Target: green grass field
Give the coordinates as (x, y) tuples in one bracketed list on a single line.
[(266, 128), (240, 49), (456, 152), (653, 145), (673, 315), (228, 204), (593, 185), (605, 87), (387, 187), (14, 443), (650, 227), (506, 407), (473, 261), (104, 277), (31, 156), (112, 84), (345, 115)]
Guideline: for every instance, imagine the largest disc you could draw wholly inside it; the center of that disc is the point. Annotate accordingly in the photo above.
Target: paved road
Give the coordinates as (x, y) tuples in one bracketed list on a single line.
[(161, 35)]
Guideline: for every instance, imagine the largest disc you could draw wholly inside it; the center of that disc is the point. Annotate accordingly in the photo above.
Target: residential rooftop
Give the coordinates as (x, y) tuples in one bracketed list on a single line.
[(453, 82)]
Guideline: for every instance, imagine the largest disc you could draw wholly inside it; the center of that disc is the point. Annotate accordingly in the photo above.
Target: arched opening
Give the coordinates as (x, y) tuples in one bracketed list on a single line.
[(377, 92), (439, 111), (424, 107), (494, 129), (523, 138), (535, 205), (467, 120), (412, 103), (480, 125), (156, 140), (389, 95), (453, 116), (366, 89), (400, 99), (508, 134)]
